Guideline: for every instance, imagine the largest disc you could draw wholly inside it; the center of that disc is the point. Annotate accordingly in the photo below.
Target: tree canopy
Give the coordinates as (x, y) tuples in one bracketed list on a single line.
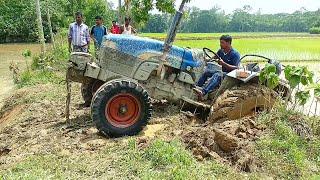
[(17, 18)]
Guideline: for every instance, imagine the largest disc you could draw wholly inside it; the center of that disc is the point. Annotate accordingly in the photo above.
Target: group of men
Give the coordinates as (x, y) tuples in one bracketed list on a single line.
[(79, 35), (79, 41)]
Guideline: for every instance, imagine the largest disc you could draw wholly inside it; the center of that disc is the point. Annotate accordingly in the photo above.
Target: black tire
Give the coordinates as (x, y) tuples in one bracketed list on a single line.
[(136, 108), (89, 88), (86, 92)]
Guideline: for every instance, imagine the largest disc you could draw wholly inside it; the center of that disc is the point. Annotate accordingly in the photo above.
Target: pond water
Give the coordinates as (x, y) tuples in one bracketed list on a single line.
[(12, 53)]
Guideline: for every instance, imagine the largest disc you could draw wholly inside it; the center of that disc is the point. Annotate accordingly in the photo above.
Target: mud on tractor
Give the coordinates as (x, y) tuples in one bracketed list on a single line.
[(130, 71)]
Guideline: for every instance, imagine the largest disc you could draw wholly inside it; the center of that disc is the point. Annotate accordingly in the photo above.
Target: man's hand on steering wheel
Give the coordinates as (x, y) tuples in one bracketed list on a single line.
[(211, 55)]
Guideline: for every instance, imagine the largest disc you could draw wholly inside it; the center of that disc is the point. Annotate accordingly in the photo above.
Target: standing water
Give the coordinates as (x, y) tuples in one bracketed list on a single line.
[(12, 53)]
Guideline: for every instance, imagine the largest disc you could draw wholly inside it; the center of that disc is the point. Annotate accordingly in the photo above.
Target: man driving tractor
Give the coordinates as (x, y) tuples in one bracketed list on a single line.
[(228, 58)]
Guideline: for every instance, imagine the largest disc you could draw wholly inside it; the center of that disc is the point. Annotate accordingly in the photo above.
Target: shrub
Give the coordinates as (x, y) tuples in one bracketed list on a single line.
[(314, 30)]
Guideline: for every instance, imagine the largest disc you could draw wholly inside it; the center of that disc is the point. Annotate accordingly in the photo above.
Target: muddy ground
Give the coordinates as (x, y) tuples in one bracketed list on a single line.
[(32, 123)]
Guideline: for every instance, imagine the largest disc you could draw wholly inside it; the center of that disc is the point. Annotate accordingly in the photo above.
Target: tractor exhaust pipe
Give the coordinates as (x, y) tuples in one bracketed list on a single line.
[(170, 38)]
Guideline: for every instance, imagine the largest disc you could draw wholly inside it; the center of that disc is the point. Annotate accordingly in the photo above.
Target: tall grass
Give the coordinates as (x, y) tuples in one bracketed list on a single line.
[(181, 36), (48, 68), (283, 49)]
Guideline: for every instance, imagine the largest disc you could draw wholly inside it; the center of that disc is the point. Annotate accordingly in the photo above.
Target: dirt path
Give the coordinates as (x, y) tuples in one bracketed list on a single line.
[(11, 53)]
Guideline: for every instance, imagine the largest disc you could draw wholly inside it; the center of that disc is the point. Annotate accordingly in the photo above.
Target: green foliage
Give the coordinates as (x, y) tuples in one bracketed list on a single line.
[(30, 78), (140, 8), (302, 97), (314, 30), (43, 67), (26, 53), (268, 75), (244, 20), (298, 74), (17, 19)]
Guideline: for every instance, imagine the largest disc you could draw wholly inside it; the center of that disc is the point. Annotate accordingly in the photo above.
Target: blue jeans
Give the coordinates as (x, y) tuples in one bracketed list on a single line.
[(213, 80)]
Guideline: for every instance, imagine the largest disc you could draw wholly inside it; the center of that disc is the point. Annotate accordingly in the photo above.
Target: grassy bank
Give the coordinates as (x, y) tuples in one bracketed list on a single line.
[(37, 143), (44, 146)]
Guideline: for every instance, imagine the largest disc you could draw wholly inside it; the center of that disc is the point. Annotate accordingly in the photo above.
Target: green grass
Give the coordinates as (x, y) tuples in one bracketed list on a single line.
[(284, 49), (161, 160), (280, 46), (217, 35), (283, 153), (34, 77)]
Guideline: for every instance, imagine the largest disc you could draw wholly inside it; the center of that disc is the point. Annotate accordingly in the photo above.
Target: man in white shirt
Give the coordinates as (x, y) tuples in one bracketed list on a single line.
[(78, 36)]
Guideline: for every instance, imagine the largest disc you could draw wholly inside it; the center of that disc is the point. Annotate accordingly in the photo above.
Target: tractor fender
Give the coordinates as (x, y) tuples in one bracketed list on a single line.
[(144, 70)]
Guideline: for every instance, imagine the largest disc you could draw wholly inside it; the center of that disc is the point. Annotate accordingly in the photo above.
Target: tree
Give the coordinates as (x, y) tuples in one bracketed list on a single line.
[(140, 8), (40, 27)]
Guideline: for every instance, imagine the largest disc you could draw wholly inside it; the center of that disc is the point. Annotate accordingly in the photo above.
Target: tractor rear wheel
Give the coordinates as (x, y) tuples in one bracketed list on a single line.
[(120, 108), (242, 101)]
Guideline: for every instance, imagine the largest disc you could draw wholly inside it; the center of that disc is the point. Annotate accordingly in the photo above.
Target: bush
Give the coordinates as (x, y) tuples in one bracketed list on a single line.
[(314, 30)]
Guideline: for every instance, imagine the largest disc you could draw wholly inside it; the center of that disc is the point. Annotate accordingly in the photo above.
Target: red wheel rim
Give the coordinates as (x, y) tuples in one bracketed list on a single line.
[(122, 110)]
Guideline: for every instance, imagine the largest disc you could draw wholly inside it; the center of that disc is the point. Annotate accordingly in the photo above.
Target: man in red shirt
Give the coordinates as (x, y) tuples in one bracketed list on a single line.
[(115, 29)]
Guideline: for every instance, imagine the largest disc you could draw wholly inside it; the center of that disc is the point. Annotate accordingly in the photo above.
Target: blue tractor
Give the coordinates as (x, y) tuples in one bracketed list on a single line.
[(131, 71)]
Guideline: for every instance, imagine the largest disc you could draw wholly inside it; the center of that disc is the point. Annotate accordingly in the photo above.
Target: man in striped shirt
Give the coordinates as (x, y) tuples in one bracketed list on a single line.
[(79, 36)]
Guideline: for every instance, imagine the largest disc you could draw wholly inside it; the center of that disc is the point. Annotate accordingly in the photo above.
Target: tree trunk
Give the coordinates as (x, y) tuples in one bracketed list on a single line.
[(40, 28), (119, 12), (50, 28), (107, 6)]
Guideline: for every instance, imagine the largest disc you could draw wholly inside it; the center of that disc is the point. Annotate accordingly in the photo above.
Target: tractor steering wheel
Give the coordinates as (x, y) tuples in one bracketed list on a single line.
[(210, 54)]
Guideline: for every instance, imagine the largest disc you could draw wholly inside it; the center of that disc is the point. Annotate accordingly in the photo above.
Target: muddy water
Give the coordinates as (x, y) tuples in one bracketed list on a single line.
[(11, 53)]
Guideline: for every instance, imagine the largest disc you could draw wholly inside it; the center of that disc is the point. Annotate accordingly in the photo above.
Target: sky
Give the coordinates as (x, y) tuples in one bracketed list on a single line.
[(266, 6)]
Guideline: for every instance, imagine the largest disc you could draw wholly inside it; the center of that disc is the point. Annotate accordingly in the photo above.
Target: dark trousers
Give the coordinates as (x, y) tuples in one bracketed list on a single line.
[(209, 81)]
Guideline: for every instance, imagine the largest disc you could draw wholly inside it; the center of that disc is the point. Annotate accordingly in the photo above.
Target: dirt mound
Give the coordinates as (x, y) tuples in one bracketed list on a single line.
[(242, 101), (229, 134), (227, 142)]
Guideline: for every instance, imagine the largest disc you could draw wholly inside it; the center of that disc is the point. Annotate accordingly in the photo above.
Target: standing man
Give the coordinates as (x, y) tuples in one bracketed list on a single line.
[(79, 41), (229, 59), (78, 36), (127, 28), (115, 29), (97, 32)]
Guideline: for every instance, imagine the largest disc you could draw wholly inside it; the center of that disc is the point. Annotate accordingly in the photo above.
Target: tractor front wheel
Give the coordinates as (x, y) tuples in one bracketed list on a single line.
[(120, 108)]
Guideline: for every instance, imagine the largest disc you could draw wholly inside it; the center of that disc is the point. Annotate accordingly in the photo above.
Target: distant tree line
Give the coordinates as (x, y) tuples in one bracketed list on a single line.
[(241, 20), (18, 18)]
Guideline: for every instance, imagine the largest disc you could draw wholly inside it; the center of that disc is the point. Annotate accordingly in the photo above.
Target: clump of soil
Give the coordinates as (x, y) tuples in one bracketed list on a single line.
[(230, 141), (242, 101), (231, 130)]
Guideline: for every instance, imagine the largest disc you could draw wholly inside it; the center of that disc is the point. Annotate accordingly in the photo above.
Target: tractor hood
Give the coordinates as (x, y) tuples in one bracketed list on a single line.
[(144, 48)]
